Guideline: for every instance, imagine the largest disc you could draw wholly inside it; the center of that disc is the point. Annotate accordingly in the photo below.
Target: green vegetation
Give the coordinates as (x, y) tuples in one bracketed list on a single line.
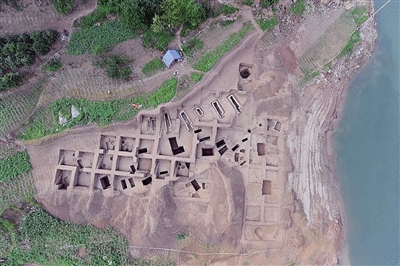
[(52, 65), (153, 66), (181, 236), (156, 40), (360, 15), (13, 165), (10, 80), (192, 45), (267, 24), (210, 58), (196, 77), (20, 50), (307, 78), (97, 40), (248, 2), (348, 49), (97, 16), (46, 120), (268, 3), (54, 242), (116, 66), (298, 7), (63, 7), (227, 9), (12, 3), (16, 107)]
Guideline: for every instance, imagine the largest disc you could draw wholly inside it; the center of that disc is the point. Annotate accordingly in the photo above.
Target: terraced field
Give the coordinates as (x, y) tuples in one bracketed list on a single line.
[(16, 107), (329, 45)]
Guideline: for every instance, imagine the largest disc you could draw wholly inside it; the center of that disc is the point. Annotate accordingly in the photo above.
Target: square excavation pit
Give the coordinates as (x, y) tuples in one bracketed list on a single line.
[(146, 146), (86, 159), (104, 161), (107, 142), (126, 144), (273, 140), (102, 181), (83, 180), (272, 159), (253, 213), (144, 164), (123, 183), (271, 214), (63, 179), (124, 163), (148, 125), (67, 157), (205, 132), (182, 169), (266, 187), (163, 168), (272, 175)]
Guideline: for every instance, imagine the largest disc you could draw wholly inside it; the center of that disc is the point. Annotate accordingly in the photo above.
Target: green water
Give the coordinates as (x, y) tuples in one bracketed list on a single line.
[(367, 146)]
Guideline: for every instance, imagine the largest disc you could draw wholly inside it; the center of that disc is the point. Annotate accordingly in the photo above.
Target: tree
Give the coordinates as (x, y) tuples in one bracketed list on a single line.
[(176, 12), (10, 80)]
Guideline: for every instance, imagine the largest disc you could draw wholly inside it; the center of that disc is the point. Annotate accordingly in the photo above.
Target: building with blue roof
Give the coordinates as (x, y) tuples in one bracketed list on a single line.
[(170, 57)]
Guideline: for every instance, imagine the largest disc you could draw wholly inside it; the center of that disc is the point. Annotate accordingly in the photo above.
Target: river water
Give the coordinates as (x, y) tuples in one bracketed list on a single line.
[(367, 148)]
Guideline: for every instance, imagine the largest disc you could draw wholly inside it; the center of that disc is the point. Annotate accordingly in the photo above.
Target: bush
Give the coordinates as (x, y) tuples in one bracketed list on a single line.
[(116, 66), (52, 65), (13, 165), (63, 7), (248, 2), (268, 3), (192, 45), (267, 24), (10, 80), (153, 66), (196, 77), (97, 40), (227, 9), (298, 7)]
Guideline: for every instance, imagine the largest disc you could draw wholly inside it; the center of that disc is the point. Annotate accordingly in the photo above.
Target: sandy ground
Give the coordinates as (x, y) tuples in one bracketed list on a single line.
[(311, 213)]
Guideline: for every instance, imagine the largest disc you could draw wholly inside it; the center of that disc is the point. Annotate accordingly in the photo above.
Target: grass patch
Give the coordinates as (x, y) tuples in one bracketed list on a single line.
[(116, 66), (298, 8), (156, 40), (227, 9), (13, 165), (267, 24), (63, 7), (210, 58), (196, 77), (307, 78), (97, 16), (51, 241), (248, 2), (348, 49), (192, 45), (52, 65), (153, 66), (360, 15), (45, 122), (97, 40)]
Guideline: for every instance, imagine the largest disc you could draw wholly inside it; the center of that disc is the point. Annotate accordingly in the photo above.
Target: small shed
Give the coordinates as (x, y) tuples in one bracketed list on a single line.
[(170, 57)]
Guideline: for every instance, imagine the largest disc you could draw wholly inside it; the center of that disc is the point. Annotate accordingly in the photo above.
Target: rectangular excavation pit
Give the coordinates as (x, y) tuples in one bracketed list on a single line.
[(122, 182), (102, 181), (127, 144), (277, 126), (186, 120), (261, 149), (124, 163), (235, 147), (86, 159), (63, 179), (162, 168), (104, 161), (67, 157), (107, 142), (218, 108), (146, 146), (83, 179), (167, 122), (199, 111), (223, 150), (207, 151), (266, 187), (144, 164), (220, 143), (197, 131), (148, 125), (253, 213), (235, 103), (147, 181), (182, 169), (195, 184)]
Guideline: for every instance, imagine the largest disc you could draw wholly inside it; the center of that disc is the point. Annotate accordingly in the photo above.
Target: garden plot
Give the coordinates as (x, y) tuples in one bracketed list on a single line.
[(16, 190), (92, 84), (329, 45), (16, 107)]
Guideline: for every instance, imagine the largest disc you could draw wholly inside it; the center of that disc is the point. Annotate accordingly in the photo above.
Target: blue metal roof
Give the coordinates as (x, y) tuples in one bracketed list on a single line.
[(170, 56)]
